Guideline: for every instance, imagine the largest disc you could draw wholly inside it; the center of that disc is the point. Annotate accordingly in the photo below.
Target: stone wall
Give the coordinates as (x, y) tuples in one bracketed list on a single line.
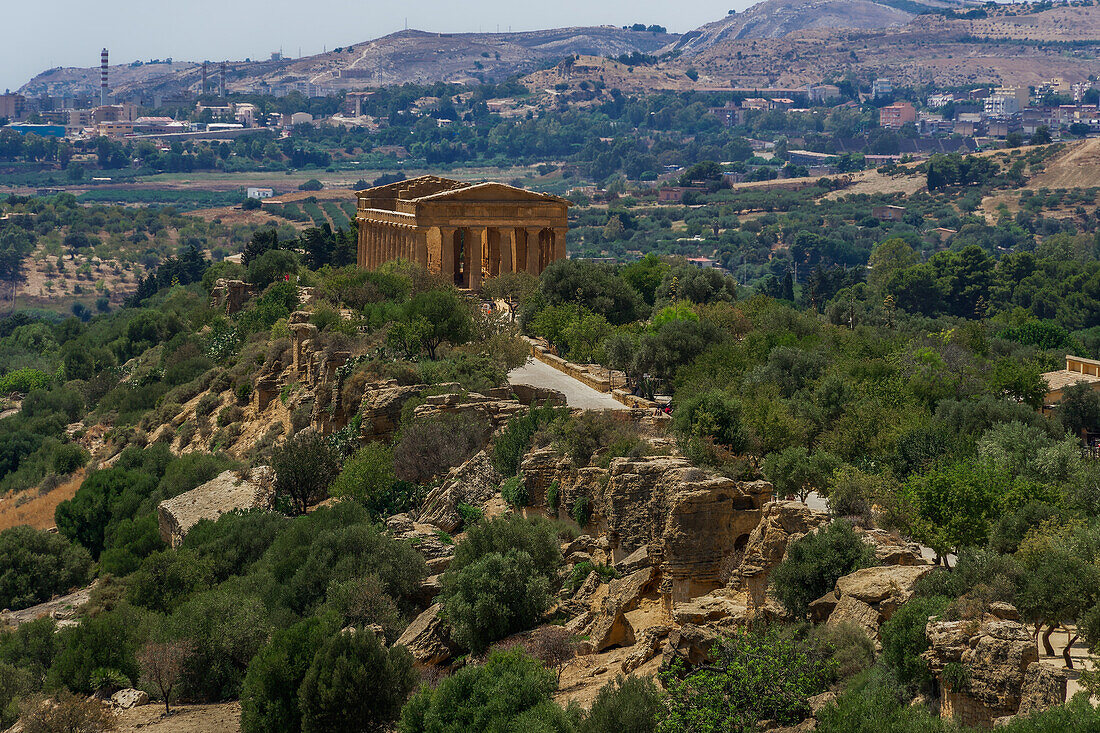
[(224, 493)]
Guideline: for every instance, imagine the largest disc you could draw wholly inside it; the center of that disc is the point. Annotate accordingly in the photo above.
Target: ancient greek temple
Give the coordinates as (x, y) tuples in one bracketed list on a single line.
[(464, 231)]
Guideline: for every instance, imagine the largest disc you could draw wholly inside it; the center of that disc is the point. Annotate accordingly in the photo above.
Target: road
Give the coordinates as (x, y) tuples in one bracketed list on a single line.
[(577, 393)]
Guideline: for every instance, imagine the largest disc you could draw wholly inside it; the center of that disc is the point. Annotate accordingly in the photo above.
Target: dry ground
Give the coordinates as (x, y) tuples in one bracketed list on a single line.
[(35, 509), (216, 718), (1078, 166)]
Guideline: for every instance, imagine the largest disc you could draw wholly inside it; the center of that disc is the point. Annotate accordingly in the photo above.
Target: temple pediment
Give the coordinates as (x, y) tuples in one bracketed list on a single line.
[(493, 192)]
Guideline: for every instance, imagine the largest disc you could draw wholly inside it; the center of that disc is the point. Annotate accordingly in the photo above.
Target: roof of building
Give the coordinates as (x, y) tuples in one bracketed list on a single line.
[(435, 188), (1064, 378)]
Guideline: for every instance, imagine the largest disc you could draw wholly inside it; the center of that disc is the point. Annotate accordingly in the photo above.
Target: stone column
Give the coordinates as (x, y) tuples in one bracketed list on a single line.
[(507, 248), (479, 243), (360, 233), (533, 250), (372, 246), (447, 253), (559, 251), (420, 246)]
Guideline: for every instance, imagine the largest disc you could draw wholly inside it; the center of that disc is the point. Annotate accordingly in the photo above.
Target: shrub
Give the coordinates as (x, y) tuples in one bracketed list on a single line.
[(14, 684), (68, 457), (226, 630), (331, 546), (752, 676), (428, 447), (903, 640), (366, 476), (269, 695), (582, 511), (304, 467), (106, 642), (502, 534), (583, 435), (230, 414), (514, 491), (710, 416), (37, 565), (355, 684), (814, 563), (493, 597), (207, 404), (515, 439), (69, 712), (553, 495), (630, 705), (23, 381), (471, 515), (511, 691)]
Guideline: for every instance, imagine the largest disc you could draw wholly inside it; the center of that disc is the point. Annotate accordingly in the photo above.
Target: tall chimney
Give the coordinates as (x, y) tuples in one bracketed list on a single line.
[(204, 78), (222, 85), (103, 77)]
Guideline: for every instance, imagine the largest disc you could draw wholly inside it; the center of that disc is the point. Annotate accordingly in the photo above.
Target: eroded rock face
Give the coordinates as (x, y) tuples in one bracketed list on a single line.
[(1002, 670), (427, 639), (1044, 688), (869, 597), (612, 627), (380, 409), (781, 523), (224, 493), (425, 538), (473, 483), (690, 523)]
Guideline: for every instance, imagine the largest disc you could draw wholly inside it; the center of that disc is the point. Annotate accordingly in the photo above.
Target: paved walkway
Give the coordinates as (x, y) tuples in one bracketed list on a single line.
[(577, 393)]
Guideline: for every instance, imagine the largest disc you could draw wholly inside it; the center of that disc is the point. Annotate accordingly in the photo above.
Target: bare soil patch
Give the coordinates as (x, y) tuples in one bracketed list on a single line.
[(222, 717), (34, 509)]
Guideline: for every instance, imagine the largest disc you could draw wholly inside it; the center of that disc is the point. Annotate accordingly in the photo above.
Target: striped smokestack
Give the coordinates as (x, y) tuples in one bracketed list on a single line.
[(103, 77)]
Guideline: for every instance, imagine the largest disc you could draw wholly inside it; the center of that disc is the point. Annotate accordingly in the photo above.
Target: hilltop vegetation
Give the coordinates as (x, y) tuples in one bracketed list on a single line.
[(906, 394)]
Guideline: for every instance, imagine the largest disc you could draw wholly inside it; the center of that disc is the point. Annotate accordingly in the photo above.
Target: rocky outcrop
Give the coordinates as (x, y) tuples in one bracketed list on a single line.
[(380, 410), (492, 410), (868, 597), (690, 522), (891, 549), (612, 627), (129, 698), (781, 522), (473, 483), (1044, 688), (436, 549), (427, 639), (229, 296), (225, 493), (987, 669)]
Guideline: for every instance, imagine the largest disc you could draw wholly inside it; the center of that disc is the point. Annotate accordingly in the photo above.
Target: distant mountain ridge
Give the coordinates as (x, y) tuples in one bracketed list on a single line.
[(405, 56), (779, 18)]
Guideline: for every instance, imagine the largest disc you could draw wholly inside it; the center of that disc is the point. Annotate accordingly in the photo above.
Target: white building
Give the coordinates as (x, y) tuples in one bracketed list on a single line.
[(259, 193), (999, 105), (882, 88)]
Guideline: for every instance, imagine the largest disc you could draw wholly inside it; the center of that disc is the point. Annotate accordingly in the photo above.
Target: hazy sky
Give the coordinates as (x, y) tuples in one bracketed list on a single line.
[(71, 32)]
